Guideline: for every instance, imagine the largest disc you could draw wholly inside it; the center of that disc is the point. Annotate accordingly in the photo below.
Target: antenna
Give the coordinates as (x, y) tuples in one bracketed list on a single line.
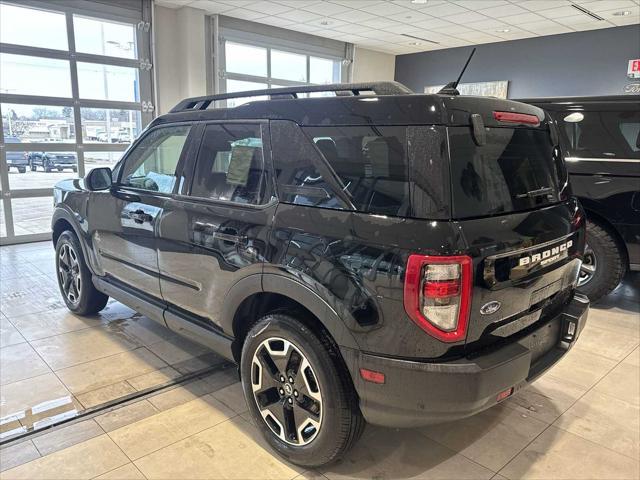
[(451, 88)]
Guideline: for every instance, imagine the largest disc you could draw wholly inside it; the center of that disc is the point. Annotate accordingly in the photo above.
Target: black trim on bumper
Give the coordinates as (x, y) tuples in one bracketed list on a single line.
[(419, 393)]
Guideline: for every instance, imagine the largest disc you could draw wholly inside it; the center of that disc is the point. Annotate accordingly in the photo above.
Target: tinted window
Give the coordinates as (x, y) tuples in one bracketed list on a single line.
[(516, 170), (384, 170), (230, 164), (152, 163), (601, 134), (371, 164)]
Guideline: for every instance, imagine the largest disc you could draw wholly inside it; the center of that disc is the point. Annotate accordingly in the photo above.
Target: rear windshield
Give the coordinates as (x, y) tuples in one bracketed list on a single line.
[(515, 170)]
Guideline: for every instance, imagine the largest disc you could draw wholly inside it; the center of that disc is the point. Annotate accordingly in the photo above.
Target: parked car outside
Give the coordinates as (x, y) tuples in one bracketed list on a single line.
[(600, 140), (17, 160), (50, 161), (396, 258)]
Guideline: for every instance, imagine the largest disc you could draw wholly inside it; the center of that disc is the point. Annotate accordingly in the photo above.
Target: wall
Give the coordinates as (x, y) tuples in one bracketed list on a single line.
[(581, 63), (369, 65), (180, 57)]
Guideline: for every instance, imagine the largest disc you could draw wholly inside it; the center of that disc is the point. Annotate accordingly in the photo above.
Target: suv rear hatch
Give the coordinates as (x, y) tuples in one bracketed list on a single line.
[(525, 235)]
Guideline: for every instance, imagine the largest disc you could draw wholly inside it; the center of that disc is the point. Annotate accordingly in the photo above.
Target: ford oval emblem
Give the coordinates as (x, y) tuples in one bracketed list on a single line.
[(491, 307)]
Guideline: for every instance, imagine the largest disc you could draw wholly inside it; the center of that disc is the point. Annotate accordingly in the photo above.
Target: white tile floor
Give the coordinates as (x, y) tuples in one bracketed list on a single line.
[(579, 421)]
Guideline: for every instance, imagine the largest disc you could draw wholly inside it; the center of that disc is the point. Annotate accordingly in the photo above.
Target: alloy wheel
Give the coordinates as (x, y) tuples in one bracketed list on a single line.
[(588, 267), (286, 391), (69, 273)]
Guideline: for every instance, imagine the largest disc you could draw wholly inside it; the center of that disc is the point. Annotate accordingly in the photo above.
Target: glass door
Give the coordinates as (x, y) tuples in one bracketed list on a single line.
[(75, 91)]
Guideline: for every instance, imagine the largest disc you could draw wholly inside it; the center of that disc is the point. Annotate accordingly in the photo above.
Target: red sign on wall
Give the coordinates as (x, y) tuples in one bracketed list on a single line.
[(633, 71)]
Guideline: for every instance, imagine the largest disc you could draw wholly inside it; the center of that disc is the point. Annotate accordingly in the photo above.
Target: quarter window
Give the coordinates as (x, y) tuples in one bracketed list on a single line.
[(230, 165), (152, 164)]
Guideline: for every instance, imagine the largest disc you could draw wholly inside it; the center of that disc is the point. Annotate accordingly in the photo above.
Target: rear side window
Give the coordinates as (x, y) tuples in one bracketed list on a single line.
[(592, 134), (371, 162), (230, 165), (399, 170), (517, 169)]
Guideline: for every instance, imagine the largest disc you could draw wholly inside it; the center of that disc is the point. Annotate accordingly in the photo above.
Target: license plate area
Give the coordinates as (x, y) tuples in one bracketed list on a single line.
[(543, 340)]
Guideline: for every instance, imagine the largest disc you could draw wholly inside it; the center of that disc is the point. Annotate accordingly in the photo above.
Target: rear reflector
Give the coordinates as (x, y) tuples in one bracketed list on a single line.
[(437, 294), (372, 376), (502, 395), (512, 117)]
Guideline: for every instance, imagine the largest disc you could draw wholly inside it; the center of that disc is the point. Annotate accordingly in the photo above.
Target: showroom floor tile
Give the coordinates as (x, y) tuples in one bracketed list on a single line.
[(580, 420)]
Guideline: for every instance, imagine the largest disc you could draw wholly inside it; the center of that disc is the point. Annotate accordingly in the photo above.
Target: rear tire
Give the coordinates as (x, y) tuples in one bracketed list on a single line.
[(333, 403), (22, 169), (604, 263), (74, 277)]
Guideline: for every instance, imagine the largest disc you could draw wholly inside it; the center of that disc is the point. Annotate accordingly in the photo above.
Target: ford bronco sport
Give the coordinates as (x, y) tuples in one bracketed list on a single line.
[(375, 255)]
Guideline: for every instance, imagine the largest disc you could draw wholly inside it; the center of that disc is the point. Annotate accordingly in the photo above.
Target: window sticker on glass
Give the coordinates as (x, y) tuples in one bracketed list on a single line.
[(239, 165)]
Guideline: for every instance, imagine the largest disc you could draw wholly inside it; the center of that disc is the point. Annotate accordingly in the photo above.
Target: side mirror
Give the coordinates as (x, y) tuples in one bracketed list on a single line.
[(98, 179)]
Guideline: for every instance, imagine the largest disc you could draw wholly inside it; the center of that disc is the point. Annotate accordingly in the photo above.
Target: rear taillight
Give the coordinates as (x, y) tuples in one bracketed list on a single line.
[(513, 117), (437, 294)]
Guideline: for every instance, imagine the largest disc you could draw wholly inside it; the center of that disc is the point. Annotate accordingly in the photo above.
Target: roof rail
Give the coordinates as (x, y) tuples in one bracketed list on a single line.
[(378, 88)]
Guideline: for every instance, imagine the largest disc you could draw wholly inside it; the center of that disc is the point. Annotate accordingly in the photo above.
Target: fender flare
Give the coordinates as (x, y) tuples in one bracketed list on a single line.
[(64, 214), (293, 289)]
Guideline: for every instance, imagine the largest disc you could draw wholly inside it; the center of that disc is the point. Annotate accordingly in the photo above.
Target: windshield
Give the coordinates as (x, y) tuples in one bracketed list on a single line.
[(517, 169)]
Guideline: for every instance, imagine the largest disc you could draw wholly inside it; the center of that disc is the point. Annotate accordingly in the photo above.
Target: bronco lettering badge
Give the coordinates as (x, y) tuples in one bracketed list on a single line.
[(546, 257)]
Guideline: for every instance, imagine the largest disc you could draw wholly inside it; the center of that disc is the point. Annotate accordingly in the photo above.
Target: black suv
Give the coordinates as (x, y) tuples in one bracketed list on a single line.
[(376, 255), (600, 142), (50, 161)]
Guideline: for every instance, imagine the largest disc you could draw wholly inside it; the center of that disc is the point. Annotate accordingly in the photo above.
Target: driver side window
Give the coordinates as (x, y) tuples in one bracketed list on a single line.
[(152, 164)]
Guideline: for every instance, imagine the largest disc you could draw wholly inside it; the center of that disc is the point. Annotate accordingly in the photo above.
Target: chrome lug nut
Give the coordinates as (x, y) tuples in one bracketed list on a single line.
[(281, 391), (290, 400), (295, 393), (281, 378), (290, 379)]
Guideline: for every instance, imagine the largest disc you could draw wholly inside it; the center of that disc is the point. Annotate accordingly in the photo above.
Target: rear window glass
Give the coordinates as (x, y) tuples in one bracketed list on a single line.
[(603, 135), (516, 170)]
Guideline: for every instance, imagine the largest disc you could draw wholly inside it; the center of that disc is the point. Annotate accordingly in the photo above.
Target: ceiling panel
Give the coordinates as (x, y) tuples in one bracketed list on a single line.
[(380, 24)]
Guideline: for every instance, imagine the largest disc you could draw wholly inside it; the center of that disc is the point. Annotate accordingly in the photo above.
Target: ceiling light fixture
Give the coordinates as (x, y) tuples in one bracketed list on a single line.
[(587, 12), (622, 13), (418, 2), (325, 22), (415, 43), (503, 30), (420, 39)]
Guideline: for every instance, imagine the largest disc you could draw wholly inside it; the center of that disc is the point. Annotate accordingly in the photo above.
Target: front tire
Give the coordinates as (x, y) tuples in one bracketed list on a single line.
[(603, 264), (74, 277), (299, 391)]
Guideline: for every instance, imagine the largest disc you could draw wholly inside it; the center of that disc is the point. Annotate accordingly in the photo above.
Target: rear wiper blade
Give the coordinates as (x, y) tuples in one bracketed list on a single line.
[(536, 193)]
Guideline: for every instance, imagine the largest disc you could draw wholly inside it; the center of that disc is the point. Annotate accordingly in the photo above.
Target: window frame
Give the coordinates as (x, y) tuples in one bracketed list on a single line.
[(269, 196)]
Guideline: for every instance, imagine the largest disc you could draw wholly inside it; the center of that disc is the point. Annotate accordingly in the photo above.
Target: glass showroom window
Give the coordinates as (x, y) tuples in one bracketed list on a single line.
[(68, 103), (249, 67)]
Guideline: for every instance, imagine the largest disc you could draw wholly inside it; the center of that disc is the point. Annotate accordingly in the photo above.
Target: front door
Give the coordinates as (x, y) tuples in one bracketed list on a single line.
[(124, 220), (217, 233)]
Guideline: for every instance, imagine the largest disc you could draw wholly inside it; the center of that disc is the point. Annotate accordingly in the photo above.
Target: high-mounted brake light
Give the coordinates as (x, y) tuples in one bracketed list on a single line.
[(512, 117), (437, 294)]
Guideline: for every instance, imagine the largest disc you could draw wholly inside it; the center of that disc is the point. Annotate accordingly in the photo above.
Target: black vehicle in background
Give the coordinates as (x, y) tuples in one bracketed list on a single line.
[(600, 141), (50, 161), (375, 255), (17, 160)]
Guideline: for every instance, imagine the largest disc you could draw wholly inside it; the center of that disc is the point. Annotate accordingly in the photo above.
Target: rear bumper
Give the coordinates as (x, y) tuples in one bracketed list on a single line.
[(419, 393)]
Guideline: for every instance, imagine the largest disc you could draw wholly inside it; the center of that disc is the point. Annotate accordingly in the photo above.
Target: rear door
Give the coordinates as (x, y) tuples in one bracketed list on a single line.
[(215, 232), (123, 220), (510, 199)]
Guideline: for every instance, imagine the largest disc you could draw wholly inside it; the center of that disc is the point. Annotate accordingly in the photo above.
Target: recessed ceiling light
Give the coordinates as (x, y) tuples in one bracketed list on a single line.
[(325, 22), (419, 2), (622, 13), (503, 30), (415, 43)]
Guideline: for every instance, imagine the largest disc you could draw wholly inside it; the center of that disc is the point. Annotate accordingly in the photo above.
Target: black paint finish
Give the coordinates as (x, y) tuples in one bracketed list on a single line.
[(208, 267)]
